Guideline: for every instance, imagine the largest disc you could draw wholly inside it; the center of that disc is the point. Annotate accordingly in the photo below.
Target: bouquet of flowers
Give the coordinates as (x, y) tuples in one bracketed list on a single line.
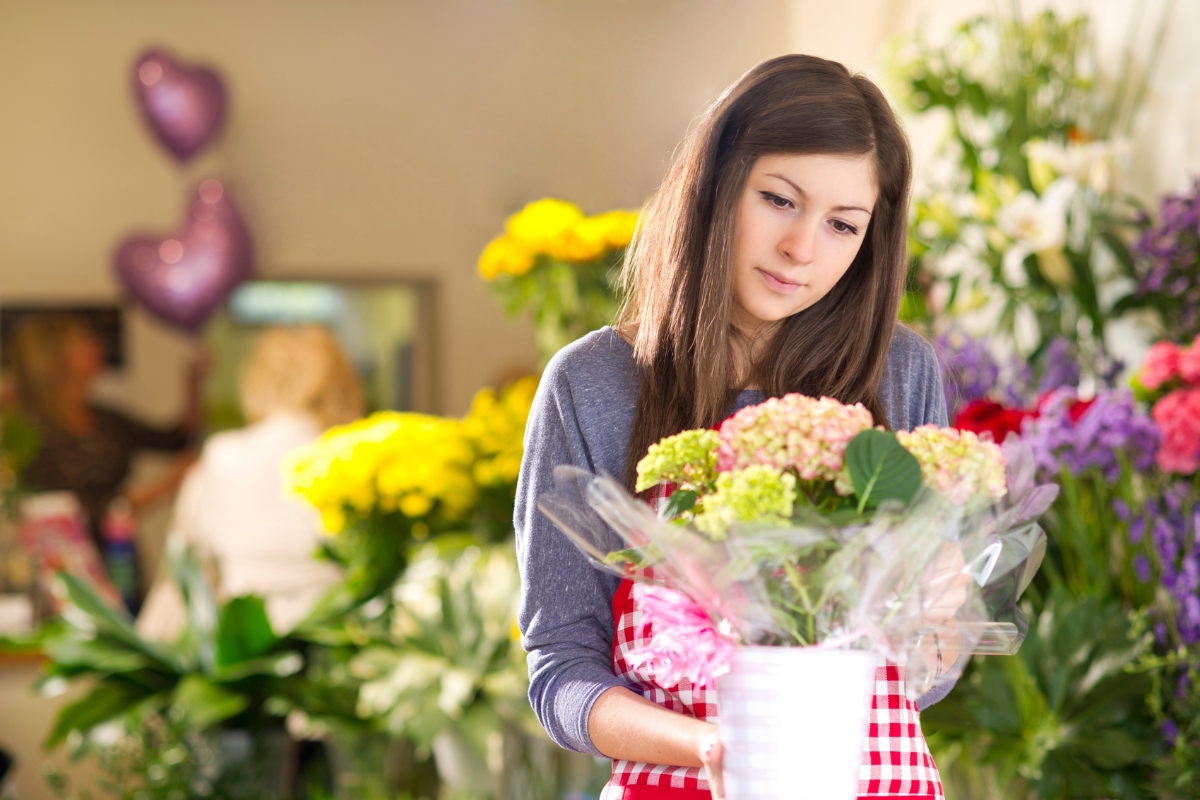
[(800, 525), (561, 264)]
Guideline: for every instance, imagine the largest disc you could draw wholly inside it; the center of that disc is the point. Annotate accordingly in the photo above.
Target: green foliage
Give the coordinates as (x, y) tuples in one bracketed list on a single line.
[(881, 469), (244, 632), (1064, 718), (567, 300), (216, 674)]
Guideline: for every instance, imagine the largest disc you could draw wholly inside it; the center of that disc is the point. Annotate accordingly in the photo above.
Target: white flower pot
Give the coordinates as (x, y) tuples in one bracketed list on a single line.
[(794, 721)]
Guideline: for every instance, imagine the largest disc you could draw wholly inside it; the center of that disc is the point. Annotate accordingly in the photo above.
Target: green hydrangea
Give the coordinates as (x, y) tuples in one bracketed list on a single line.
[(688, 459), (760, 494)]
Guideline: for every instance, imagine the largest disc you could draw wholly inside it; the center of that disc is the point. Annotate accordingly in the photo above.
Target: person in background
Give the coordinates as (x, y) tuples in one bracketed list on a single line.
[(85, 448), (233, 509)]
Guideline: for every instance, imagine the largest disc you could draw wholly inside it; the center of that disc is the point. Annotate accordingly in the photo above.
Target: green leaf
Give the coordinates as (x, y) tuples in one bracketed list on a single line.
[(108, 700), (118, 625), (95, 655), (881, 469), (200, 704), (680, 501), (244, 631)]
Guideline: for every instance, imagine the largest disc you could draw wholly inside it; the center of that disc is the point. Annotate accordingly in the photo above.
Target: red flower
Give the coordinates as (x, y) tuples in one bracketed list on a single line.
[(1078, 408), (985, 416)]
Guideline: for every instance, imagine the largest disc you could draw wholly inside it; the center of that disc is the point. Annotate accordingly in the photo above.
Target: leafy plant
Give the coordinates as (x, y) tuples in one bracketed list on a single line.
[(447, 668), (1064, 718), (225, 683)]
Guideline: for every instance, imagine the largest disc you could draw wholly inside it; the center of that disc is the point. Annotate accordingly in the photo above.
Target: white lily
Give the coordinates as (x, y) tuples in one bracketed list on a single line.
[(1037, 225), (1091, 164)]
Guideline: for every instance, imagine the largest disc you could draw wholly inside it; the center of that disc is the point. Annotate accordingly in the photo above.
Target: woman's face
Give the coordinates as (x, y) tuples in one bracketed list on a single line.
[(801, 222), (83, 356)]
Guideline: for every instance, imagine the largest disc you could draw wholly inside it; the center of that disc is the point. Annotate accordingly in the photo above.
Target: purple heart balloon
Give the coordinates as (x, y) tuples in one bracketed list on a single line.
[(184, 277), (184, 107)]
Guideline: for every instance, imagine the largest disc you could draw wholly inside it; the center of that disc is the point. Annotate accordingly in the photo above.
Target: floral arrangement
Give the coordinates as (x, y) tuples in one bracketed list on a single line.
[(1020, 224), (396, 477), (562, 265), (798, 522)]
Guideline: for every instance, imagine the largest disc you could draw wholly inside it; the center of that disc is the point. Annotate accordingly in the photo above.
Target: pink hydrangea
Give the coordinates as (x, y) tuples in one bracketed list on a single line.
[(957, 464), (1189, 362), (1161, 365), (684, 642), (797, 432), (1178, 417)]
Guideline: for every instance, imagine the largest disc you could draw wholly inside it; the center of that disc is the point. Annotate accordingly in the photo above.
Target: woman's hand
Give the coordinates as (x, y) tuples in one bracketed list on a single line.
[(712, 755), (946, 581)]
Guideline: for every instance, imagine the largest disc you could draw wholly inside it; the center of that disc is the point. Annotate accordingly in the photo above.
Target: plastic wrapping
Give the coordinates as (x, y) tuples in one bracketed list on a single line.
[(923, 584)]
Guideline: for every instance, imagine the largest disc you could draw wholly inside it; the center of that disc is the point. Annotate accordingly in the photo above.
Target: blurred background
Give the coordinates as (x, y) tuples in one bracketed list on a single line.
[(346, 173)]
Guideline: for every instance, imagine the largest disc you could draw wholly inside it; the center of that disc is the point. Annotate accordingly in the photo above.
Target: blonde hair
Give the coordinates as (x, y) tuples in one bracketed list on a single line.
[(300, 369), (37, 357)]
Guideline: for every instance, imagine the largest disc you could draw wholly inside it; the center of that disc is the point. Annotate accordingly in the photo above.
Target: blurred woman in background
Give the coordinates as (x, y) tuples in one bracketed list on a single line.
[(84, 448), (233, 509)]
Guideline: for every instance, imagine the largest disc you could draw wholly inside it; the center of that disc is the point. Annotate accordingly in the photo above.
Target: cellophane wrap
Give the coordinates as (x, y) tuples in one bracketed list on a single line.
[(915, 583)]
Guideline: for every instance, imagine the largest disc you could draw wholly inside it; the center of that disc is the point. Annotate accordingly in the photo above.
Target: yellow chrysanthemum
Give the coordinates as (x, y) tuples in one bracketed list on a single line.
[(586, 240), (388, 461), (505, 255), (541, 225), (495, 427), (619, 227)]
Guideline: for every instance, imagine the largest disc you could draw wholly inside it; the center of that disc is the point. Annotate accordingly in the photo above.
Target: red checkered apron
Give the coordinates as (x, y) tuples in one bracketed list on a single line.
[(896, 760)]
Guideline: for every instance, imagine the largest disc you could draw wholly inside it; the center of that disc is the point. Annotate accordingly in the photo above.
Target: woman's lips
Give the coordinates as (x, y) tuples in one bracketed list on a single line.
[(777, 284)]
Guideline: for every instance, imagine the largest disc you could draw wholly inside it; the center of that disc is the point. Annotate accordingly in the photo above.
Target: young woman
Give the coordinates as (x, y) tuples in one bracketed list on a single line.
[(771, 260)]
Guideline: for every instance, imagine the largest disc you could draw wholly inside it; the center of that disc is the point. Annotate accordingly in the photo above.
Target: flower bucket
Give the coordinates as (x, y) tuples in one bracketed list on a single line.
[(794, 721)]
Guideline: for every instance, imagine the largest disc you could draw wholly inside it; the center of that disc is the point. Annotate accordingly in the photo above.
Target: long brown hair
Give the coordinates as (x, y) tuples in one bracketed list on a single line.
[(678, 271)]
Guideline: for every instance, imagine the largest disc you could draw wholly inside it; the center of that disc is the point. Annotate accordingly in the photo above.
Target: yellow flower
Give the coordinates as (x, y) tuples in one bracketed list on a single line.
[(620, 226), (541, 225), (505, 255), (495, 427), (586, 240), (388, 461)]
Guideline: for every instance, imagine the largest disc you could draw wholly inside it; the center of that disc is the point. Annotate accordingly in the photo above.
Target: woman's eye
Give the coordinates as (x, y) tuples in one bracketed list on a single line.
[(776, 201), (844, 227)]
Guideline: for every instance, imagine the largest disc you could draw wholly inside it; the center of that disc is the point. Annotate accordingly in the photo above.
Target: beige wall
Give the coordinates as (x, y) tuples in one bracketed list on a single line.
[(367, 138)]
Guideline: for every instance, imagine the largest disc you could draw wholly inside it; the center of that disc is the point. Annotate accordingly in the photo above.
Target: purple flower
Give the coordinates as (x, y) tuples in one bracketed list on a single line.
[(1110, 425), (1059, 366), (1121, 510), (1170, 730), (1141, 568), (1173, 535), (968, 370), (1168, 265), (1137, 529)]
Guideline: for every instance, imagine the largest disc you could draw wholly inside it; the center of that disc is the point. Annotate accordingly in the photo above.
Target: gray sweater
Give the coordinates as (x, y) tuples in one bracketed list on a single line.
[(582, 416)]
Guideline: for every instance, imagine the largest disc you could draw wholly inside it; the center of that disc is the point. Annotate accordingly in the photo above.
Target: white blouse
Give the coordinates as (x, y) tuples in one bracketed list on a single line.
[(233, 510)]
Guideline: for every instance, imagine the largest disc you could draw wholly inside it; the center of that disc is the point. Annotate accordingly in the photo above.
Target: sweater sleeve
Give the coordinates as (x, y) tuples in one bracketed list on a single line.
[(912, 393), (565, 616)]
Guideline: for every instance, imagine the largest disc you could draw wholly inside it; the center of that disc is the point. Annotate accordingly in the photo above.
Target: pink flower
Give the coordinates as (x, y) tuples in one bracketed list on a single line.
[(1162, 364), (957, 464), (1178, 417), (1189, 362), (684, 643), (797, 432)]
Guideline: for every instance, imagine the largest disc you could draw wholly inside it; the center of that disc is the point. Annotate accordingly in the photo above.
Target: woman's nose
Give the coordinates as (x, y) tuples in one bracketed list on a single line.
[(799, 243)]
